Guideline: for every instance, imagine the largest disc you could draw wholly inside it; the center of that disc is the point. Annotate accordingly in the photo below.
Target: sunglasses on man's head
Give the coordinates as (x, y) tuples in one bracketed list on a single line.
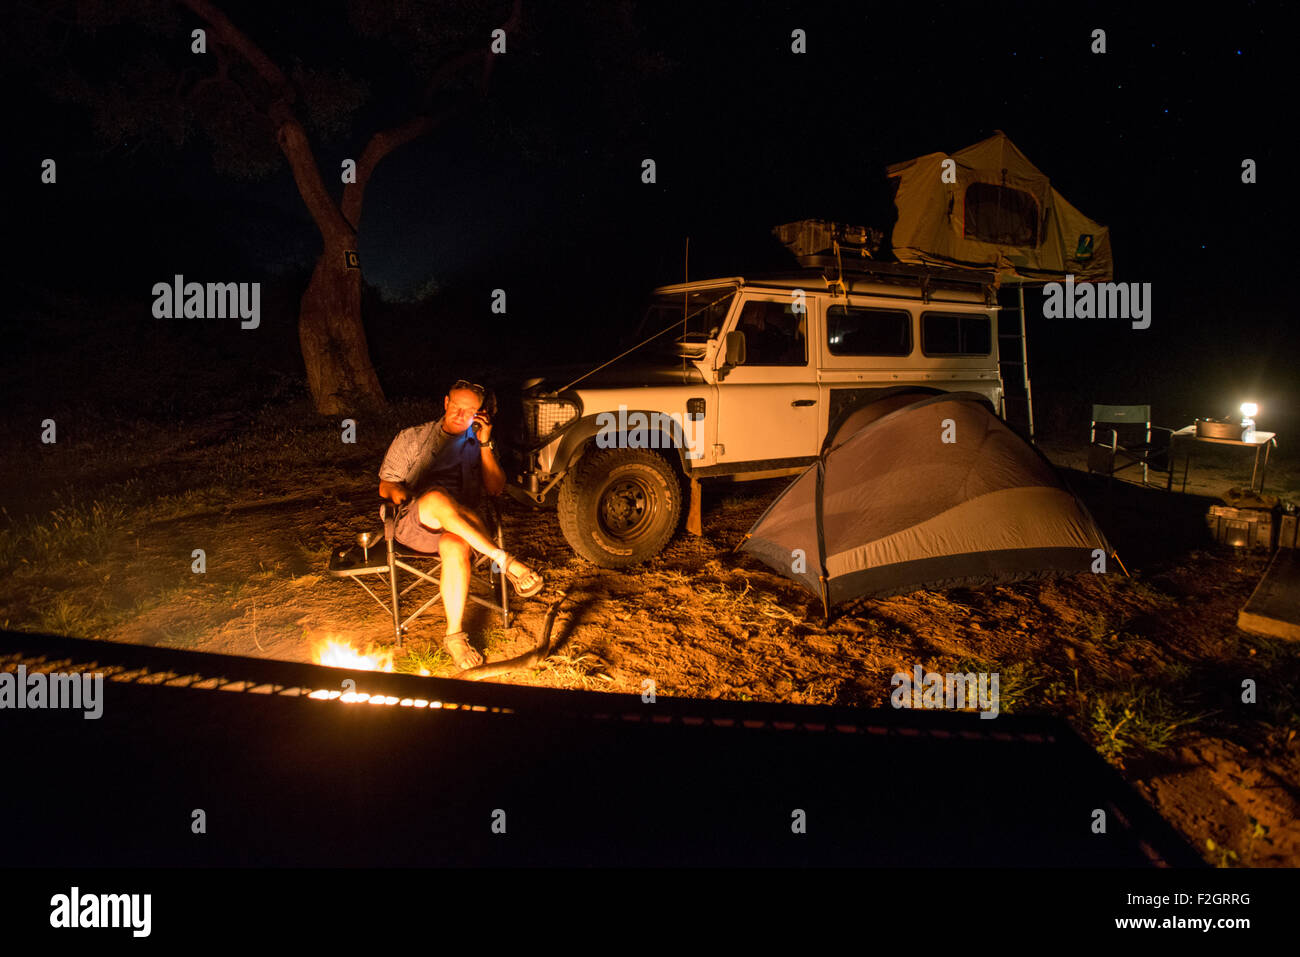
[(474, 387)]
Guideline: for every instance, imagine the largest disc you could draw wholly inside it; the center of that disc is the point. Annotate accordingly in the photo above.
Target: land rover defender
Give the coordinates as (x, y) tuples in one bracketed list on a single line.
[(743, 378)]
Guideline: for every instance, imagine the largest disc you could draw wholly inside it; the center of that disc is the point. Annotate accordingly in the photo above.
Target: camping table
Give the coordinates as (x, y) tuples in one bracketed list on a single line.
[(1262, 441)]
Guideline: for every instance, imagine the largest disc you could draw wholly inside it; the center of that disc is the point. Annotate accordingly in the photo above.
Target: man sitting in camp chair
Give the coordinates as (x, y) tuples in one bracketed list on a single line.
[(436, 473)]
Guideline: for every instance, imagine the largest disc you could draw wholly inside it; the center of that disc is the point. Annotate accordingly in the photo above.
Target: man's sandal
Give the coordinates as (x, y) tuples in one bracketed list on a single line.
[(461, 652), (526, 585)]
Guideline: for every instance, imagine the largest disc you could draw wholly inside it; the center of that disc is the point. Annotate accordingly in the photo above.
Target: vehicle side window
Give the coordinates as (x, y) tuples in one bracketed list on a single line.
[(852, 331), (775, 335), (956, 334)]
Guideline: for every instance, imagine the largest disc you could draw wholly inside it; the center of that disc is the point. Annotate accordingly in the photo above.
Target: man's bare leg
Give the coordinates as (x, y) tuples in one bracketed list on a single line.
[(439, 511), (455, 578)]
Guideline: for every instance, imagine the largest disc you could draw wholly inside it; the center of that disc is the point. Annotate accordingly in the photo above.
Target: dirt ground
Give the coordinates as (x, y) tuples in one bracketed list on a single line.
[(1148, 668)]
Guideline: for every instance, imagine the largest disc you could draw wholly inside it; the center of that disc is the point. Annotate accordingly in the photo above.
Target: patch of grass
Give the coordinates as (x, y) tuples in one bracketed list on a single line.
[(1175, 672), (77, 530), (247, 585), (672, 577), (74, 530), (1095, 628), (180, 639), (1016, 682), (62, 616), (1058, 691), (748, 608), (163, 596), (1221, 856), (1273, 651), (1134, 719), (416, 659), (1257, 831), (580, 671), (492, 638), (11, 546), (189, 501), (1145, 591), (1281, 708)]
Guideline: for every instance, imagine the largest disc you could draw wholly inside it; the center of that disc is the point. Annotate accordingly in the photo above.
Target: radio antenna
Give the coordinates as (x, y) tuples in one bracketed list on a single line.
[(686, 298)]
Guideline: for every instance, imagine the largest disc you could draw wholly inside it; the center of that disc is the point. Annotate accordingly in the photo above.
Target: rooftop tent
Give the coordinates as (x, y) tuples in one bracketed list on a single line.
[(891, 507), (1001, 213)]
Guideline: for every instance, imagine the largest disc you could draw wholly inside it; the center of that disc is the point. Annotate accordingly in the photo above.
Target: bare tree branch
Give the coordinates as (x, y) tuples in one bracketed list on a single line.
[(385, 141), (234, 37), (456, 64), (380, 145), (337, 222), (289, 132)]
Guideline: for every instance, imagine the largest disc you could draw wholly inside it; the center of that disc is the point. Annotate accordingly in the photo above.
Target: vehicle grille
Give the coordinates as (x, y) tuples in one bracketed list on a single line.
[(542, 417)]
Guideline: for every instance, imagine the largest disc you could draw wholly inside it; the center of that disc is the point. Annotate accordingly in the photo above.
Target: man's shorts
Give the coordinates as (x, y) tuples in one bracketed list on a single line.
[(411, 533)]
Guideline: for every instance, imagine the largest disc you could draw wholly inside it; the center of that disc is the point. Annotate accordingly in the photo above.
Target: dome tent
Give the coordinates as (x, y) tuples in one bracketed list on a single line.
[(939, 493)]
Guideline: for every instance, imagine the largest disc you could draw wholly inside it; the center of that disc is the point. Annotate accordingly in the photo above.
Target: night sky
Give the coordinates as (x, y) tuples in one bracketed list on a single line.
[(538, 189)]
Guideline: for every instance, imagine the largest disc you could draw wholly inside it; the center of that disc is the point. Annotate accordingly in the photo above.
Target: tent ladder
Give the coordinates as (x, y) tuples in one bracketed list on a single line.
[(1017, 403)]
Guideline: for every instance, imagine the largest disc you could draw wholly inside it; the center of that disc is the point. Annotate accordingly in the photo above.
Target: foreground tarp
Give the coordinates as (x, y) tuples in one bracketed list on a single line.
[(1001, 213), (939, 493), (501, 775)]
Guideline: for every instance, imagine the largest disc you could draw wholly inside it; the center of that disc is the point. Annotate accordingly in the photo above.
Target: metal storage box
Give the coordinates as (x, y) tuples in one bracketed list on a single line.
[(1286, 531), (1241, 527), (1210, 429)]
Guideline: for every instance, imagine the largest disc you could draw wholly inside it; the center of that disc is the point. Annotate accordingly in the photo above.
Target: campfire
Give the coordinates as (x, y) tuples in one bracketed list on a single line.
[(336, 652)]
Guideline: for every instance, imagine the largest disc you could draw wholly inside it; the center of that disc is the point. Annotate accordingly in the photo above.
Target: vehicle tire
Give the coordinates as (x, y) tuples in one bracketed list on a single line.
[(619, 507)]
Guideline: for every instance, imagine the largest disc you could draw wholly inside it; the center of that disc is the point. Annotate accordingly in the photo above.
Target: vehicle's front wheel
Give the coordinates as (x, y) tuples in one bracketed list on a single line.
[(619, 507)]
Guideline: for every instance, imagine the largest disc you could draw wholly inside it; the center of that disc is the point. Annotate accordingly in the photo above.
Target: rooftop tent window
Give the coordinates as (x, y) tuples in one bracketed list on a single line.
[(775, 335), (956, 334), (868, 332), (1000, 214)]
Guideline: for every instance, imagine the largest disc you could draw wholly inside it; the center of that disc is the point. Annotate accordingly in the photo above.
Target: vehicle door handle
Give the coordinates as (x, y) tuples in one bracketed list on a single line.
[(798, 402)]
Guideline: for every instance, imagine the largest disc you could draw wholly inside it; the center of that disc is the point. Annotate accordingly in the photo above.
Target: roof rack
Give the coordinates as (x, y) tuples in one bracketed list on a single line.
[(886, 270), (843, 273)]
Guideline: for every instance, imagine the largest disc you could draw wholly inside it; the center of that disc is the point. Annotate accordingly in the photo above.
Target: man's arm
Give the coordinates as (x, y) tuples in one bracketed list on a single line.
[(494, 479), (395, 492), (396, 467)]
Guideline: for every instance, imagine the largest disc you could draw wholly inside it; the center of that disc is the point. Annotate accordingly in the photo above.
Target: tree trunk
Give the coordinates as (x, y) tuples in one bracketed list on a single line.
[(333, 339)]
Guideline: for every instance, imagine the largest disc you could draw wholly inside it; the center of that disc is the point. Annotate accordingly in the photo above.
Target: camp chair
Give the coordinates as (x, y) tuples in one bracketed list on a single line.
[(393, 558), (1138, 448)]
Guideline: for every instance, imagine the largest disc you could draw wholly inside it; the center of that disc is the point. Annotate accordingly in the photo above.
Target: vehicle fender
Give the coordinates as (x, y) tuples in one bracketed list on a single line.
[(581, 436)]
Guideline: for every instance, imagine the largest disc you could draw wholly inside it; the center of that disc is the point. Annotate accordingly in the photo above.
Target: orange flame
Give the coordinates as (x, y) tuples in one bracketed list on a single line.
[(336, 652)]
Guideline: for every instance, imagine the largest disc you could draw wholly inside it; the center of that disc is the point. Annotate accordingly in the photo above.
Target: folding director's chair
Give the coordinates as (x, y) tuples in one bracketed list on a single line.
[(392, 558), (1139, 445)]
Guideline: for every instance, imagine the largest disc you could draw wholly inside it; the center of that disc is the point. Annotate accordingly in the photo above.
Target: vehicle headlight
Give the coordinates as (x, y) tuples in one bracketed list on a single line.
[(544, 417)]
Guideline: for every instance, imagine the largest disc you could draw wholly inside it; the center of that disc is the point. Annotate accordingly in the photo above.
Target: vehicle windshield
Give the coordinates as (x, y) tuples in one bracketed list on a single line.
[(695, 317)]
